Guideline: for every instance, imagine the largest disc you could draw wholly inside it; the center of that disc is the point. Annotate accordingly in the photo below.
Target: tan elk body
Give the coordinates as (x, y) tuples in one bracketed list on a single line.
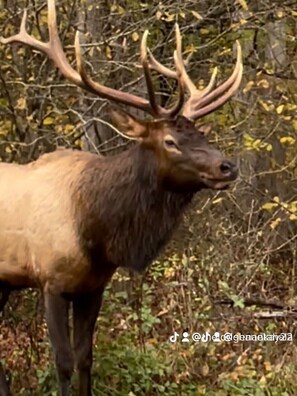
[(71, 218), (39, 242)]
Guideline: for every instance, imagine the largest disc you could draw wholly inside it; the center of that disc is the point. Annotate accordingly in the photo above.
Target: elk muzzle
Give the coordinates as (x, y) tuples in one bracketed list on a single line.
[(220, 172)]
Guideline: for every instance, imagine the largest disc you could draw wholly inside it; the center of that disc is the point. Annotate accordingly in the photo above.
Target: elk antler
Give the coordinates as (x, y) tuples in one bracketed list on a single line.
[(54, 50), (200, 102)]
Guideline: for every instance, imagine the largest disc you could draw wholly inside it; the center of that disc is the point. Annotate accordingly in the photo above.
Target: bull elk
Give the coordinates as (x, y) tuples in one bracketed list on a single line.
[(71, 218)]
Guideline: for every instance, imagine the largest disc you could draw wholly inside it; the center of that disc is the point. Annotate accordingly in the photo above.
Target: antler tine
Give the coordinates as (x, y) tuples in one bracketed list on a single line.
[(184, 78), (200, 102), (54, 50), (210, 85), (179, 61), (198, 108), (188, 84), (175, 109), (158, 67), (147, 73), (24, 37), (106, 92)]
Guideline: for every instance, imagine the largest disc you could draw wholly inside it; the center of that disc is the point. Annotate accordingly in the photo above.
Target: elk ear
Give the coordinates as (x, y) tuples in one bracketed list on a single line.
[(204, 129), (128, 124)]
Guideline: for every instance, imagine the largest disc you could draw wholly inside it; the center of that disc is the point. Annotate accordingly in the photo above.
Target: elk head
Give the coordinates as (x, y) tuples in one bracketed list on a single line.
[(185, 160)]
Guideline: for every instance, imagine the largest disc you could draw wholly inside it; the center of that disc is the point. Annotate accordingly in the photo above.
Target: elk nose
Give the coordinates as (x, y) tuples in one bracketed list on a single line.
[(228, 168)]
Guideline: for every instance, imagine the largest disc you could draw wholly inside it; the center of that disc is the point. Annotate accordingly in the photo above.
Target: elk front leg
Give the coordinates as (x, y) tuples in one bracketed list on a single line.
[(85, 311), (4, 388), (56, 314), (5, 292)]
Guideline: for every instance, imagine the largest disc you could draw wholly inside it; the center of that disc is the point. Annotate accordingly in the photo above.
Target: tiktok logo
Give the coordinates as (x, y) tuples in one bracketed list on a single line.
[(205, 337), (174, 337)]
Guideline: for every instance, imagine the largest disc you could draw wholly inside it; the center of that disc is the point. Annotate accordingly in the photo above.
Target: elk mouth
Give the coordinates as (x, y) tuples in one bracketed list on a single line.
[(218, 183)]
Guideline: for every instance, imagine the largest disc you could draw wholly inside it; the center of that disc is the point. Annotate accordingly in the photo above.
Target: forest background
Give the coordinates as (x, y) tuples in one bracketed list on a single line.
[(232, 264)]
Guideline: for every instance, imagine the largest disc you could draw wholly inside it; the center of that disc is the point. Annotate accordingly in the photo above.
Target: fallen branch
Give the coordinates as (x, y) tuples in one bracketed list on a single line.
[(249, 302)]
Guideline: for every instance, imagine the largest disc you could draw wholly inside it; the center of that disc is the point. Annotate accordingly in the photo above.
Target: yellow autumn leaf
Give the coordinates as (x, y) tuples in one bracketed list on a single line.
[(68, 128), (234, 26), (189, 49), (21, 103), (108, 52), (248, 138), (280, 109), (248, 86), (294, 123), (205, 370), (224, 52), (91, 52), (266, 106), (263, 83), (59, 129), (158, 15), (169, 17), (201, 389), (121, 10), (197, 15), (48, 121), (169, 273), (267, 366), (291, 106), (275, 223), (293, 217), (269, 206), (269, 147), (262, 381), (293, 206), (243, 4), (280, 14), (256, 143), (135, 36), (117, 8), (287, 140)]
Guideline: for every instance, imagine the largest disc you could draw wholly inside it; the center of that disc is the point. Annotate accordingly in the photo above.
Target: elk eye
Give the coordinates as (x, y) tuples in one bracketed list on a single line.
[(170, 143)]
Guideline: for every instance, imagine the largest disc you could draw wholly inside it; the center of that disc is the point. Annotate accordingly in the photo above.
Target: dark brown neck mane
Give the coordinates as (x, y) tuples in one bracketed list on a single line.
[(125, 216)]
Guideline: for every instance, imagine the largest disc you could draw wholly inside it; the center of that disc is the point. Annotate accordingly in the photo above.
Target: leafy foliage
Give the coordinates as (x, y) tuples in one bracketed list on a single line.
[(233, 248)]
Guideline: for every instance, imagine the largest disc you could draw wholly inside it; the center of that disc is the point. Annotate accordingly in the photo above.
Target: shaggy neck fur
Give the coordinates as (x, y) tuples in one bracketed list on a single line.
[(125, 215)]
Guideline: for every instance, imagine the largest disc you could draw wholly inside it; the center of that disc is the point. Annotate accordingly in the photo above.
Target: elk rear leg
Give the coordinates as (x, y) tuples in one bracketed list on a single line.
[(85, 312), (56, 314)]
